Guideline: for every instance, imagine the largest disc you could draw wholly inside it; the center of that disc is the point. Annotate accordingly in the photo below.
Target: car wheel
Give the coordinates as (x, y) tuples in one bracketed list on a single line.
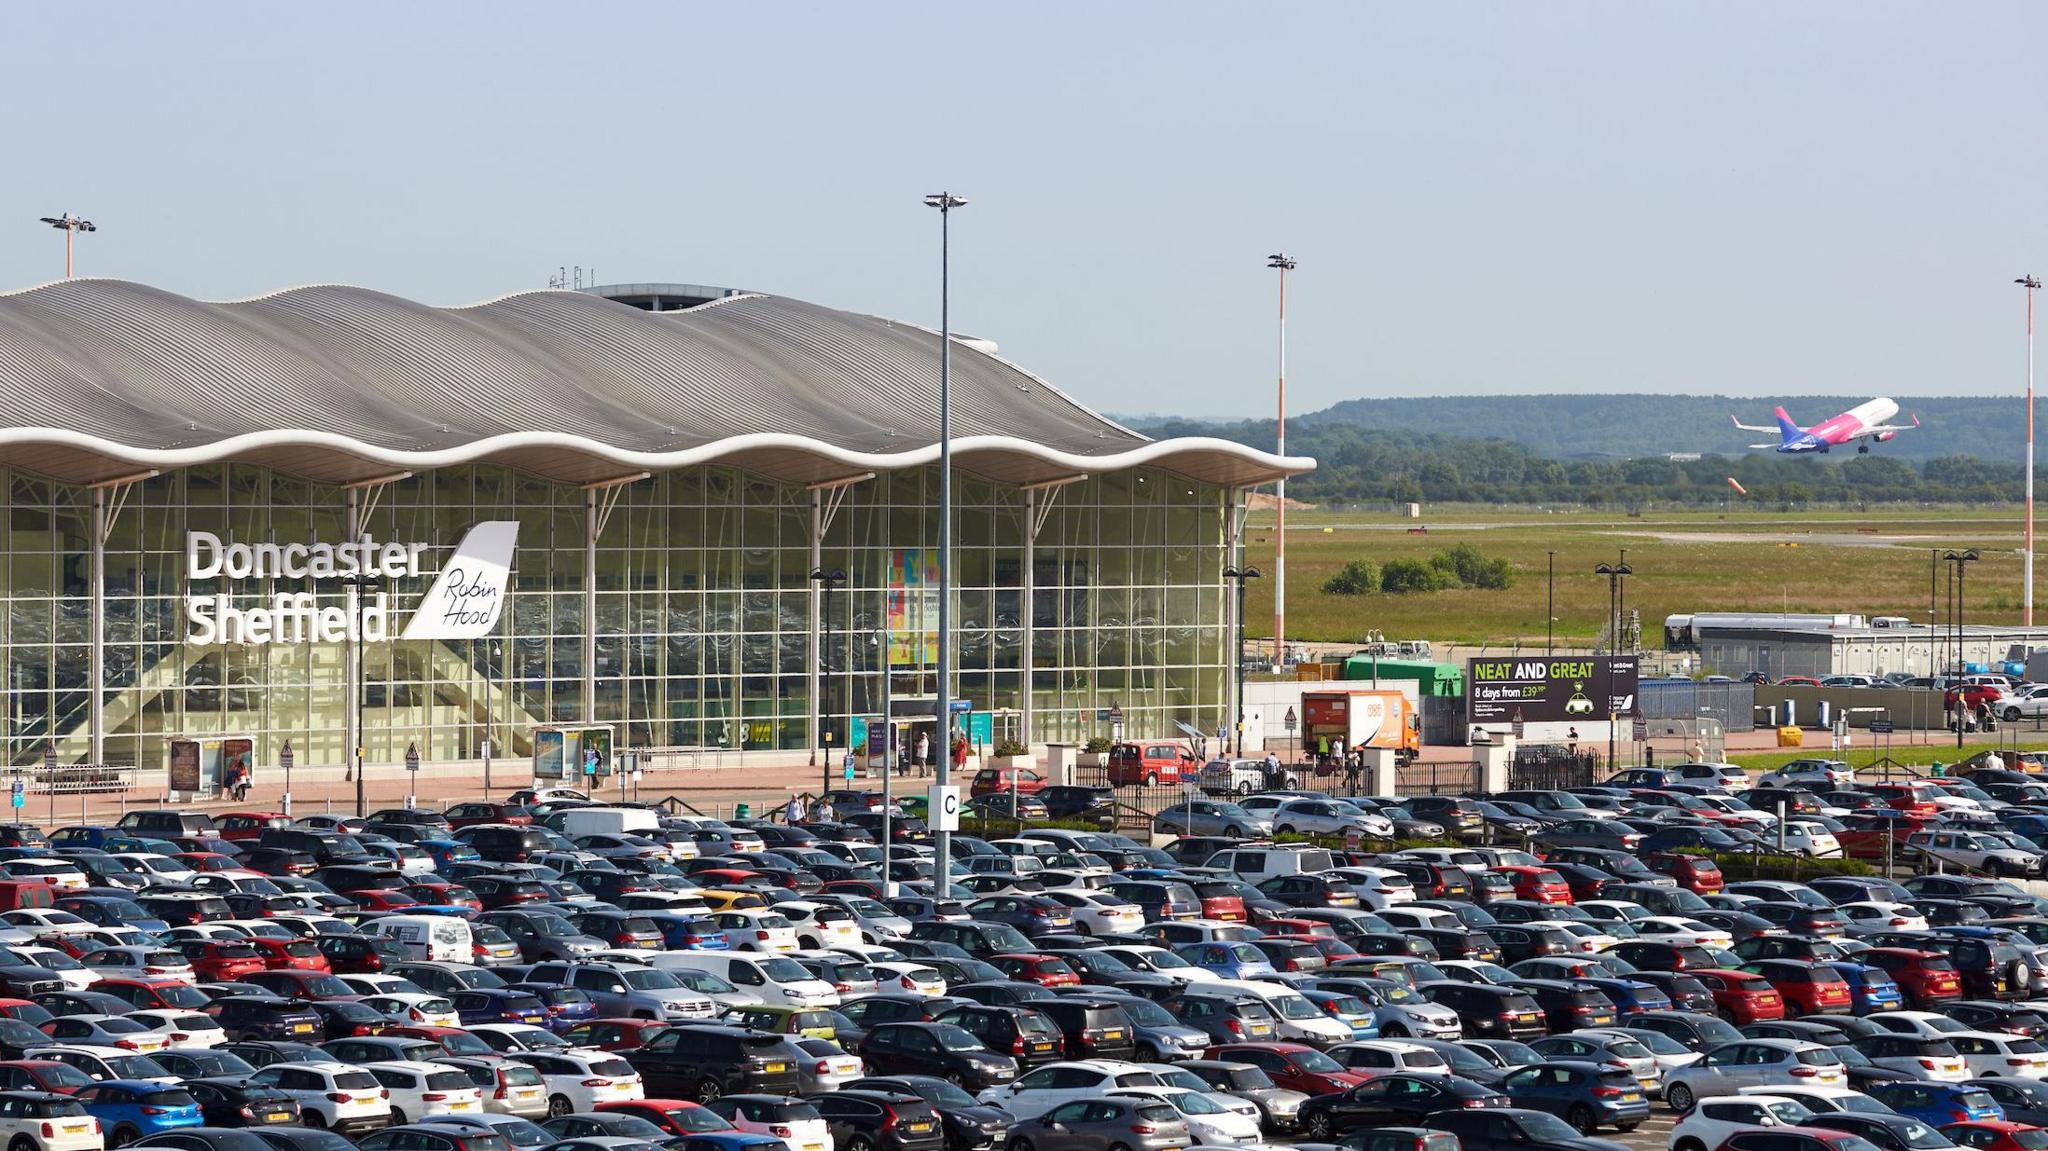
[(2012, 715), (1244, 787), (1679, 1096), (1152, 779), (22, 1143), (1018, 1145), (1119, 1147), (1625, 1128), (860, 1143), (1792, 1010), (1319, 1127), (1581, 1118), (1688, 1145), (313, 1119), (956, 1079), (559, 1105), (397, 1117), (1284, 829), (1393, 1031), (123, 1136), (707, 1090), (1235, 832)]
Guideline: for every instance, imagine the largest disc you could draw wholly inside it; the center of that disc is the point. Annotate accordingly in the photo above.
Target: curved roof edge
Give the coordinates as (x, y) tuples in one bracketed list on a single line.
[(325, 457)]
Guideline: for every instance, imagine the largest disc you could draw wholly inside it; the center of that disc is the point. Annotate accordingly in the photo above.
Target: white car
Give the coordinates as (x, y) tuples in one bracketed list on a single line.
[(1042, 1089), (374, 984), (76, 976), (1829, 774), (1989, 1053), (1590, 938), (1925, 1024), (1379, 888), (113, 1031), (1207, 1121), (102, 1063), (1979, 852), (138, 962), (1409, 918), (1732, 1066), (1705, 1126), (1822, 1100), (53, 1123), (513, 1038), (45, 921), (161, 869), (757, 929), (1804, 837), (905, 975), (1161, 961), (1874, 916), (414, 1009), (181, 1027), (1679, 931), (1735, 809), (1725, 776), (1382, 1056), (61, 874), (1327, 817), (1611, 909), (1917, 1056), (506, 1088), (336, 1096), (421, 1089), (756, 1116), (580, 1080), (819, 925), (1098, 912)]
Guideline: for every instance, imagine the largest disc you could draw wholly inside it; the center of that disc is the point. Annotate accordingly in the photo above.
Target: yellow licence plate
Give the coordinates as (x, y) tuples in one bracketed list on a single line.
[(464, 1105), (774, 1067), (1602, 1020), (302, 1027), (1529, 1017), (921, 1126), (70, 1128), (1118, 1034), (1040, 1048), (278, 1116), (1631, 1097)]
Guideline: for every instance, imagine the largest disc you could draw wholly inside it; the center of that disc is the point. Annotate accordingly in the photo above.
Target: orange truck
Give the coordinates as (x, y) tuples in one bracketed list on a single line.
[(1362, 718)]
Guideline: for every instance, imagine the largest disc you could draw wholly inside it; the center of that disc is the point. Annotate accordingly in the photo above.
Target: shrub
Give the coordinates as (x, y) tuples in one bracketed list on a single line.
[(1358, 578), (1406, 576), (1008, 747), (1099, 745)]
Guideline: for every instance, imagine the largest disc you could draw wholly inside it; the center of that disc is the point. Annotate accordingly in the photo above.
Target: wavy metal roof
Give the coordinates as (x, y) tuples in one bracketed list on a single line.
[(100, 378)]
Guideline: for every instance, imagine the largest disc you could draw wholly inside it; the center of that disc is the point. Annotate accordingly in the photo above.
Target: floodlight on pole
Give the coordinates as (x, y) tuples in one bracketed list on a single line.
[(71, 226), (1283, 263), (2032, 285), (942, 704)]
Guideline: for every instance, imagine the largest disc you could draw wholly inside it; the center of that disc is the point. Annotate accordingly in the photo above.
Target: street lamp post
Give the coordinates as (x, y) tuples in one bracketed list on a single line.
[(71, 226), (362, 585), (1616, 573), (1550, 603), (2032, 285), (1240, 574), (1958, 562), (826, 581), (1284, 264), (942, 705)]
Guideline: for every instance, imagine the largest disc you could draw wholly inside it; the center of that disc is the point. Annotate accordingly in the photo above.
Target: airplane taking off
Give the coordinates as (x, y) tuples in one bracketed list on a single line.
[(1865, 421)]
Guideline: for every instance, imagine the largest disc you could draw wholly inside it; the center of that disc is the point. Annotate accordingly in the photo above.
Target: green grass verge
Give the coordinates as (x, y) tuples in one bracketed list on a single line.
[(1860, 756)]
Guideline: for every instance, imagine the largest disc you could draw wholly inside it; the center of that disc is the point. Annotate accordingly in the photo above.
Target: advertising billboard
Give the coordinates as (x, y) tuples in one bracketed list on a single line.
[(1575, 689), (913, 607)]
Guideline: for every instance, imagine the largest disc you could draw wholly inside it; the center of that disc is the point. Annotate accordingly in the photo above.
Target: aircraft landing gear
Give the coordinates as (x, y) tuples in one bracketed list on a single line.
[(1863, 449)]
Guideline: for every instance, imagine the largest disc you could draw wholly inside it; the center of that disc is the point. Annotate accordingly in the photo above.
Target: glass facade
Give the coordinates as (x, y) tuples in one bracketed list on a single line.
[(702, 618)]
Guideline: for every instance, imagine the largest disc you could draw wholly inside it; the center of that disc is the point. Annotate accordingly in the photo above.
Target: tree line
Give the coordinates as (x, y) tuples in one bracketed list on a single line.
[(1361, 465)]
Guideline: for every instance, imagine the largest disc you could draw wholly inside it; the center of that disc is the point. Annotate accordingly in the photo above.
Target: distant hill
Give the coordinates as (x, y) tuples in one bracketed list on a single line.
[(1581, 426)]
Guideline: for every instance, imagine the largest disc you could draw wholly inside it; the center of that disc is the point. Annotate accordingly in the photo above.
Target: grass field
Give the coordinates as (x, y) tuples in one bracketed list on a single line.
[(1874, 563), (1862, 754)]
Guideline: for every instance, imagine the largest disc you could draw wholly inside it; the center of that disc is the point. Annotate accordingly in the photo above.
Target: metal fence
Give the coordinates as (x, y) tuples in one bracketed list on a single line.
[(1732, 705), (1548, 767)]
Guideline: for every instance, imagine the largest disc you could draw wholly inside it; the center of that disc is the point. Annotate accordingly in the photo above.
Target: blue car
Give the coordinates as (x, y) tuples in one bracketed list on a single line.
[(681, 932), (567, 1006), (94, 837), (1347, 1009), (129, 1109), (446, 852), (1586, 1094), (499, 1005), (111, 911), (1870, 988), (731, 1141), (1230, 960), (1630, 997), (1935, 1104)]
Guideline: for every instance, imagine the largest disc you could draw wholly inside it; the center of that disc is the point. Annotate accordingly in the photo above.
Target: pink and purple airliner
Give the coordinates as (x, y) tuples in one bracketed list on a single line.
[(1865, 421)]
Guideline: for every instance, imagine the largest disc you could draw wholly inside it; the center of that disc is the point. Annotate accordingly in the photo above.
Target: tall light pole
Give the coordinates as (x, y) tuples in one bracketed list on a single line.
[(2032, 285), (826, 581), (361, 586), (942, 841), (1616, 574), (1957, 562), (1285, 264), (1549, 602), (71, 226), (1237, 721)]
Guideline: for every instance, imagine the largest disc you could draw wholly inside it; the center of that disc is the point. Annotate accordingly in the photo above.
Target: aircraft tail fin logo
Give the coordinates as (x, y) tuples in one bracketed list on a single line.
[(469, 594), (1787, 430)]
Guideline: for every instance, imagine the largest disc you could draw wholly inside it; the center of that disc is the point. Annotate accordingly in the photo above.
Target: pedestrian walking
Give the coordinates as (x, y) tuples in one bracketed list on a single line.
[(793, 811), (924, 751)]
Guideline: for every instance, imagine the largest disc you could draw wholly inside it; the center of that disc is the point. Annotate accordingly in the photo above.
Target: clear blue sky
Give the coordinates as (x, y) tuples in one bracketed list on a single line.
[(1498, 197)]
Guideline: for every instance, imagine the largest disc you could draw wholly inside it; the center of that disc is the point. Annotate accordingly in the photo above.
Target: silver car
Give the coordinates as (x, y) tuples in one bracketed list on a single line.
[(1730, 1067), (826, 1067), (1097, 1124), (1212, 817), (1605, 1046)]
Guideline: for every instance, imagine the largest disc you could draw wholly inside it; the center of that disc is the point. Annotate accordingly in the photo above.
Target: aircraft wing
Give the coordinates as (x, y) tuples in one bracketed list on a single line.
[(1879, 429), (1752, 428), (1771, 446)]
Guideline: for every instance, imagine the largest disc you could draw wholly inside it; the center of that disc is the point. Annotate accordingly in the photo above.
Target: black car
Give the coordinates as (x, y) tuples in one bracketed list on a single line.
[(1022, 1032), (1067, 801), (1570, 1005), (1992, 1015), (1092, 1028), (1888, 1132), (1515, 1129), (1532, 940), (230, 1102), (246, 1017), (969, 1126), (2024, 1100), (886, 1121), (1685, 992), (935, 1049), (976, 938), (1489, 1012), (1401, 1099), (705, 1061), (340, 1019), (263, 1053), (1001, 991)]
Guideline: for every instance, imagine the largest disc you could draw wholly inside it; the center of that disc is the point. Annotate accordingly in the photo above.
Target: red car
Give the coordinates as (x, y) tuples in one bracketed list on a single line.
[(1789, 1138), (1294, 1066), (225, 962), (1997, 1135), (22, 1009), (1538, 884), (383, 899), (613, 1034), (472, 814), (1864, 833), (208, 861), (43, 1075), (444, 895), (291, 955), (155, 993), (675, 1116), (1333, 950), (1742, 998), (1003, 780), (1220, 902), (1044, 970), (1916, 799), (240, 825), (1807, 987), (1149, 764), (1928, 979), (1288, 925), (1695, 873)]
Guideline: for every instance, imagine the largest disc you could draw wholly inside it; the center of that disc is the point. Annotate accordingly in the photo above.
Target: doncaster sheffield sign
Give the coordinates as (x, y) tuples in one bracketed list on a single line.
[(463, 603)]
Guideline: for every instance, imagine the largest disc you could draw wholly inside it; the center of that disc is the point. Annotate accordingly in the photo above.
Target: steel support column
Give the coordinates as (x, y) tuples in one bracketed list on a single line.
[(826, 498), (1038, 502), (599, 499), (108, 498)]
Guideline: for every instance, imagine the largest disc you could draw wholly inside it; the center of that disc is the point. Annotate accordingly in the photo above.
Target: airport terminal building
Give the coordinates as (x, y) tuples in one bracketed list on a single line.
[(214, 510)]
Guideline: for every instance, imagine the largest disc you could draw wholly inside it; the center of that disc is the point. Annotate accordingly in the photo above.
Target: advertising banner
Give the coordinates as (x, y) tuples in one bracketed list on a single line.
[(913, 607), (1559, 689)]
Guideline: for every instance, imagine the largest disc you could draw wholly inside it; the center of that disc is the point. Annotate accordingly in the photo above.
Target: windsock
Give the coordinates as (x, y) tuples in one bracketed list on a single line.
[(1733, 483)]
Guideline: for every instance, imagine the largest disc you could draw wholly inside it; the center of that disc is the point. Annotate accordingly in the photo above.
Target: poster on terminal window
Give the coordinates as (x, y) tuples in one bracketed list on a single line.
[(1550, 689), (913, 592)]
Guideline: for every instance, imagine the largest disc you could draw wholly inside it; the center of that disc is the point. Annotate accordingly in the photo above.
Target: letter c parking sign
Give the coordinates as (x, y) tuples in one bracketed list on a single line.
[(944, 805)]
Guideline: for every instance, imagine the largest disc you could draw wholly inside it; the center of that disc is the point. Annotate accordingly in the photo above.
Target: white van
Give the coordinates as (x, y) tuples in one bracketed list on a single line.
[(1256, 863), (578, 822), (433, 938), (779, 981)]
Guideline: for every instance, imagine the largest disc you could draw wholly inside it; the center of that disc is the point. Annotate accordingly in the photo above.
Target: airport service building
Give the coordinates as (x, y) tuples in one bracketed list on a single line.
[(574, 507)]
